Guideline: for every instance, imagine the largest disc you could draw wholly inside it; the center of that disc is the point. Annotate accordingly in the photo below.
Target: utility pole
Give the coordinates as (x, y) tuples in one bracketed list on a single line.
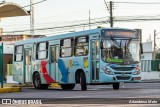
[(111, 14), (31, 18), (89, 20), (154, 53), (110, 8)]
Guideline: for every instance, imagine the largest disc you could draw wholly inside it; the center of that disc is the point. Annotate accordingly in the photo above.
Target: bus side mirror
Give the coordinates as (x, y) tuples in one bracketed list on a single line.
[(141, 48), (101, 45)]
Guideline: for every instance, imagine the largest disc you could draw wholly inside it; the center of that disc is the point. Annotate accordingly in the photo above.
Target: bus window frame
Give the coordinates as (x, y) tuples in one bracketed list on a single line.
[(34, 51), (75, 45), (62, 47), (15, 53), (37, 50)]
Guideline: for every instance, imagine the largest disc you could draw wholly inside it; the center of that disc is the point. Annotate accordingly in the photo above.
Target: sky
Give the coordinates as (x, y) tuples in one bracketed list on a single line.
[(54, 13)]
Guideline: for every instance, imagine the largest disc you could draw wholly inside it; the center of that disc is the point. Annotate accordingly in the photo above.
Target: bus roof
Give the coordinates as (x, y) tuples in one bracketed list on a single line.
[(67, 35)]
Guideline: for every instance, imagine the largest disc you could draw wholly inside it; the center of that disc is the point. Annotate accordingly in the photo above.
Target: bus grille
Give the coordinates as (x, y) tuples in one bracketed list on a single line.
[(123, 73), (122, 78), (123, 68)]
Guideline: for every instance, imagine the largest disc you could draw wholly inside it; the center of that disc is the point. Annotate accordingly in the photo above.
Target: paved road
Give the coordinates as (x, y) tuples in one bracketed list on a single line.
[(128, 90), (98, 93)]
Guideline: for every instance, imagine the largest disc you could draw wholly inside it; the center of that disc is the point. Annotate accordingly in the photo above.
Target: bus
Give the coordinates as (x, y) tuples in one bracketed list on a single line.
[(98, 56)]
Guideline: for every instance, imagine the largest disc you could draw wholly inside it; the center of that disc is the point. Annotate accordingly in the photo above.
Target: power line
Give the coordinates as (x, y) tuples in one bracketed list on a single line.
[(58, 27), (100, 21), (157, 3), (82, 23), (107, 6)]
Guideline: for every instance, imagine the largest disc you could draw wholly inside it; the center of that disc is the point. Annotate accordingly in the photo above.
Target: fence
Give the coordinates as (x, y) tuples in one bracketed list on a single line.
[(145, 65), (150, 65), (1, 65)]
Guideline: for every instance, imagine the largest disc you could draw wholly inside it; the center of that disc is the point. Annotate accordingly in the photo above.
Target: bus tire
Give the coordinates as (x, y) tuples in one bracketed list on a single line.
[(83, 81), (116, 86), (37, 81), (67, 86)]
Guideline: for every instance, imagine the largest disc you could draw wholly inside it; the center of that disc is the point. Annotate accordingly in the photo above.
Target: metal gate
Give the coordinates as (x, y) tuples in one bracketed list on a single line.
[(145, 65)]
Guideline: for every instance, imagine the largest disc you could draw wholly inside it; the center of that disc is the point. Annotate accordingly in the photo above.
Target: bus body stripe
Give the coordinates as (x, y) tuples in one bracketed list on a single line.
[(45, 74), (63, 70)]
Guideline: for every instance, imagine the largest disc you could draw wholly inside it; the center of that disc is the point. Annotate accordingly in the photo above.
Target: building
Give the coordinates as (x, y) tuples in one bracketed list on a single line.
[(148, 51), (8, 47)]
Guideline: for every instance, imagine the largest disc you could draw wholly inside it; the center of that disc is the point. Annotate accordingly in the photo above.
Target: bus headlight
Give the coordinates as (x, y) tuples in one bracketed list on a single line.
[(137, 72), (107, 71)]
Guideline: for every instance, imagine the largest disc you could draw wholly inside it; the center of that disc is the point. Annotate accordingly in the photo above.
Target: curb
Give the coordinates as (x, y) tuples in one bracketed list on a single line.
[(29, 85), (150, 82), (55, 85), (10, 89)]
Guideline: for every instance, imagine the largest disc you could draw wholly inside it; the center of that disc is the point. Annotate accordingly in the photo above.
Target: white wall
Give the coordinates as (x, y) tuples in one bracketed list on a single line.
[(8, 47), (147, 51), (147, 56), (150, 75), (147, 46), (10, 79)]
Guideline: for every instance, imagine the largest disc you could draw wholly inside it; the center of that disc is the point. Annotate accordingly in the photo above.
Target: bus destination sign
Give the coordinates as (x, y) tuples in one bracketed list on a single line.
[(119, 33)]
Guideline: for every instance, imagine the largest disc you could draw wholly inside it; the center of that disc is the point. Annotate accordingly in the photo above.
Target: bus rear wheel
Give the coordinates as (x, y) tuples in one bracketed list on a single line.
[(37, 82), (116, 86), (67, 86), (83, 81)]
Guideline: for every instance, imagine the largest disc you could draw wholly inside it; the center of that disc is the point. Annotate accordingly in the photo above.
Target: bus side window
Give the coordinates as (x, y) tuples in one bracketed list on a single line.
[(81, 46), (34, 52), (37, 48), (66, 47), (42, 50), (28, 57), (18, 53)]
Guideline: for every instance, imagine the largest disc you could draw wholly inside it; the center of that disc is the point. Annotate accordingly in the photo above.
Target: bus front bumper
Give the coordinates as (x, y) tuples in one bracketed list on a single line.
[(127, 79), (121, 78)]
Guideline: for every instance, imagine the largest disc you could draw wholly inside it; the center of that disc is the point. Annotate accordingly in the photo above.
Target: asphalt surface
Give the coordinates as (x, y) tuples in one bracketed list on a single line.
[(95, 95)]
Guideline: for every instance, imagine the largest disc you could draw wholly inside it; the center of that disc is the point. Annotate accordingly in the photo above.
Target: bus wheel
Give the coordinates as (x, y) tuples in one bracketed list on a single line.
[(67, 86), (83, 81), (116, 86), (37, 81)]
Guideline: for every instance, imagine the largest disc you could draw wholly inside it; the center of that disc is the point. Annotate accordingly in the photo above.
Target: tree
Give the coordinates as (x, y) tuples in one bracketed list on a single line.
[(158, 56), (100, 27)]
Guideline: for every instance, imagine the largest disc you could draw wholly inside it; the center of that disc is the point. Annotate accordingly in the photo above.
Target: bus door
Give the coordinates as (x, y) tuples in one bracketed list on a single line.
[(95, 60), (27, 65), (54, 62)]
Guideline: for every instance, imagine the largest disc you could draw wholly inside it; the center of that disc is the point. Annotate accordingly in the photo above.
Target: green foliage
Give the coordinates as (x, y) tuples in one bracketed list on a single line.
[(158, 56), (100, 27)]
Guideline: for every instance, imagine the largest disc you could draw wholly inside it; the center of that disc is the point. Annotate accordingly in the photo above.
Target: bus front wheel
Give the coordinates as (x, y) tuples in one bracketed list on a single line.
[(83, 81), (116, 86)]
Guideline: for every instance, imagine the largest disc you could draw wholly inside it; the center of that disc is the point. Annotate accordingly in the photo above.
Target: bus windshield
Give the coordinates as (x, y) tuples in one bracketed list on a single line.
[(118, 50)]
